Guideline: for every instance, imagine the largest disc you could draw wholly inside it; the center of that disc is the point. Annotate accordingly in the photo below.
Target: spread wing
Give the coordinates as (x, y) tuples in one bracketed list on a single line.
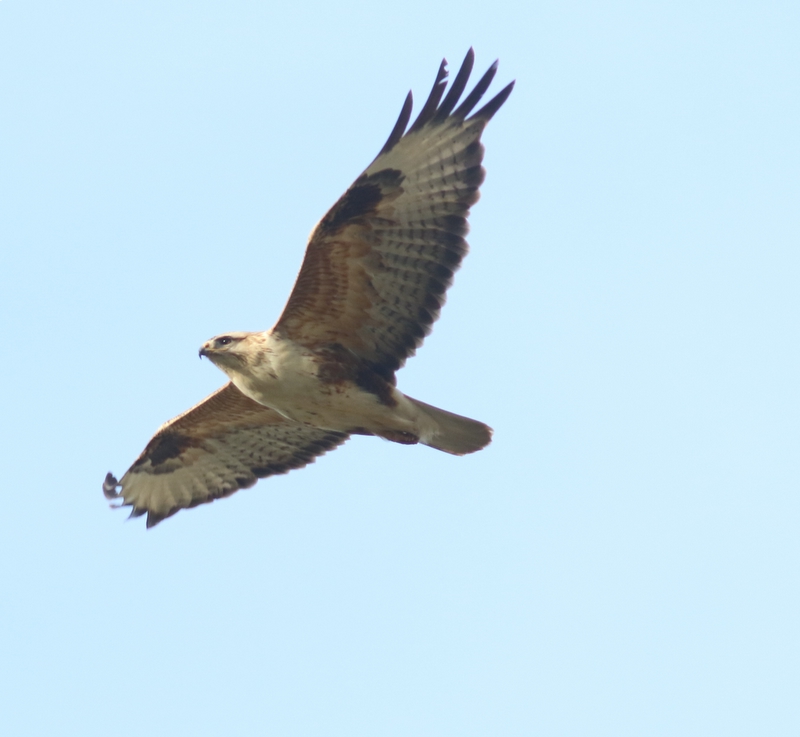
[(225, 443), (379, 263)]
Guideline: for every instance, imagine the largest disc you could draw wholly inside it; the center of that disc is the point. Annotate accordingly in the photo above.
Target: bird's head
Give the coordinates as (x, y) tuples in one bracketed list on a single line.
[(229, 351)]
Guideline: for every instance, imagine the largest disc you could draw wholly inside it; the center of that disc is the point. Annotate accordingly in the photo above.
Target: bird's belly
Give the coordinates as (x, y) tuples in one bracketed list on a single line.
[(294, 389), (306, 399)]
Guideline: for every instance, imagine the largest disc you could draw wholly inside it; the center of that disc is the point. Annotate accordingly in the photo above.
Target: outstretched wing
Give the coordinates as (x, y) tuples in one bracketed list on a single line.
[(379, 263), (225, 443)]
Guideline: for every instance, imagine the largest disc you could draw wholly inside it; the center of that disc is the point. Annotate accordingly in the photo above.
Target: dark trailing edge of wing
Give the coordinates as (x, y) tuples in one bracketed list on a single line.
[(434, 113)]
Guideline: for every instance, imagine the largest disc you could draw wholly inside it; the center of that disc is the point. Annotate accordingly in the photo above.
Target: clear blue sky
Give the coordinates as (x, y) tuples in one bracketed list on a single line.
[(622, 560)]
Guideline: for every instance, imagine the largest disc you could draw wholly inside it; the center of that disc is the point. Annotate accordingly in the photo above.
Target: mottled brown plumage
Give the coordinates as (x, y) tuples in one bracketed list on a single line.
[(225, 443), (379, 263), (372, 283)]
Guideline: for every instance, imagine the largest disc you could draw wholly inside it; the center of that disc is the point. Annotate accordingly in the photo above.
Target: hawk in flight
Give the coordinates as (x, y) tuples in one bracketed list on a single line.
[(372, 283)]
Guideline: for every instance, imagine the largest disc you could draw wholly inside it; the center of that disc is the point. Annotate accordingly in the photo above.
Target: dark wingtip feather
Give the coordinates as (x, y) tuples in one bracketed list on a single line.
[(153, 519), (434, 113), (399, 126), (457, 88), (429, 108), (474, 97), (110, 485), (491, 107)]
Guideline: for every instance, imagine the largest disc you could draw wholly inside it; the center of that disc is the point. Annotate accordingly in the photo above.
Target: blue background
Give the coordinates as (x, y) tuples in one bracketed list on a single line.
[(622, 560)]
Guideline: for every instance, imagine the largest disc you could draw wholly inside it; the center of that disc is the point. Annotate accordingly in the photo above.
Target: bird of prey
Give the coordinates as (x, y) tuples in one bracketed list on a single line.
[(372, 283)]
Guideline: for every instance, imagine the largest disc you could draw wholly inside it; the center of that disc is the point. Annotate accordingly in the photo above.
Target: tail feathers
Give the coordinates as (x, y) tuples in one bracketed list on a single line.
[(455, 434)]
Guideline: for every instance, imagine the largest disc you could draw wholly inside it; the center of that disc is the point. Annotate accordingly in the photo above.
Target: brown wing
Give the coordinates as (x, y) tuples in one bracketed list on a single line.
[(379, 263), (225, 443)]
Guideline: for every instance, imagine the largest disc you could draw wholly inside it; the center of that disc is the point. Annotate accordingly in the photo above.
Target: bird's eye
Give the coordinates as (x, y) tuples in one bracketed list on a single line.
[(224, 341)]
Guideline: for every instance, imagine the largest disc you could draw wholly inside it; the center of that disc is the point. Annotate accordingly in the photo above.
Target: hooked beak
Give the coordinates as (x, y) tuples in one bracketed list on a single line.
[(203, 351)]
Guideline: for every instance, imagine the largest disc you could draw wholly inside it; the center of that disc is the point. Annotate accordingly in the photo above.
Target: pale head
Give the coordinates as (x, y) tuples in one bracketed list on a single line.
[(230, 351)]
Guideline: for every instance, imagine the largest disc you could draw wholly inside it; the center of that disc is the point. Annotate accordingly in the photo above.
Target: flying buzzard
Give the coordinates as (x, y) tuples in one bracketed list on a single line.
[(372, 283)]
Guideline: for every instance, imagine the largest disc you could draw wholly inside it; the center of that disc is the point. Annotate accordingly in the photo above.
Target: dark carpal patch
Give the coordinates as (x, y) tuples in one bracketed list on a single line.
[(362, 198), (162, 448)]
